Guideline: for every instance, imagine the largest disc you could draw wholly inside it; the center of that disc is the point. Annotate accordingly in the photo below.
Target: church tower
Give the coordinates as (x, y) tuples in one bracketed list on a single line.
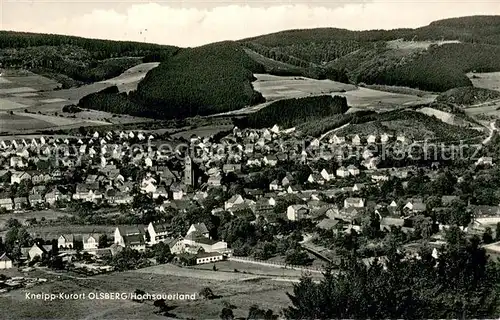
[(188, 171)]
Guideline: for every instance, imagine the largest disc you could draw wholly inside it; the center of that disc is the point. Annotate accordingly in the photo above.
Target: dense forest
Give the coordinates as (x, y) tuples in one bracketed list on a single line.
[(461, 283), (99, 49), (74, 61), (291, 112), (111, 100), (467, 96), (437, 69), (200, 81), (365, 57)]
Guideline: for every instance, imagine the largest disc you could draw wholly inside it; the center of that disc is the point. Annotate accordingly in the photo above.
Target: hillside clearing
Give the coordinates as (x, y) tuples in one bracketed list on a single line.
[(446, 117), (365, 98), (278, 87), (489, 80), (129, 80)]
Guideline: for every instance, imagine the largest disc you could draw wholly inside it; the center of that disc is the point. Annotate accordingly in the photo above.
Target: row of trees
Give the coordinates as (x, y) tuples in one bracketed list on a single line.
[(298, 110)]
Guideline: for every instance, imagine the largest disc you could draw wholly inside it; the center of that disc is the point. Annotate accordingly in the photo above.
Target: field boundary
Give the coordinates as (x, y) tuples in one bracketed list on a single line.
[(275, 264)]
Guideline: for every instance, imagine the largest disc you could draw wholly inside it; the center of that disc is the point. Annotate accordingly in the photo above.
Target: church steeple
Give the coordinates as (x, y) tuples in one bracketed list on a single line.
[(188, 171)]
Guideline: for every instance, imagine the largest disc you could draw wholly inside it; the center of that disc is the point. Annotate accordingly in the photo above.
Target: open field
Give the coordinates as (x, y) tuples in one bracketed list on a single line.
[(277, 87), (23, 78), (487, 109), (128, 80), (367, 98), (7, 104), (33, 122), (358, 98), (20, 90), (416, 45), (23, 216), (16, 122), (265, 293), (250, 268), (490, 80), (444, 116)]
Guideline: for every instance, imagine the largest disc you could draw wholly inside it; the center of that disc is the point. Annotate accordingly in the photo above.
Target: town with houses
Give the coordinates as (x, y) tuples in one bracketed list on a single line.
[(197, 198)]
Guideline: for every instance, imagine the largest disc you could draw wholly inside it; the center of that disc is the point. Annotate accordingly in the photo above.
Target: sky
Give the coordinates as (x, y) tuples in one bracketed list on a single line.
[(190, 23)]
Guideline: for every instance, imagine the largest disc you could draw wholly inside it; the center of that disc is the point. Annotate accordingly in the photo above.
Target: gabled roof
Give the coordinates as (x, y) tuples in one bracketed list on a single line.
[(200, 227), (133, 240), (4, 257)]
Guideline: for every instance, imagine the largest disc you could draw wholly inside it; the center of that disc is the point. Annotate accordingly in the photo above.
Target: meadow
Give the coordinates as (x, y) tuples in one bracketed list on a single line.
[(264, 293), (22, 90), (279, 87), (23, 216), (490, 80)]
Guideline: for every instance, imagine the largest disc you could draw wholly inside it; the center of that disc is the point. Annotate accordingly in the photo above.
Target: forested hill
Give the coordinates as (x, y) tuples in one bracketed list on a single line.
[(415, 58), (98, 48), (218, 77), (74, 61)]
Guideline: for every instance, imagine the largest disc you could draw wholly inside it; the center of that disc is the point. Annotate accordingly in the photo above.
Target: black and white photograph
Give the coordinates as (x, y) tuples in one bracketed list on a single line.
[(251, 160)]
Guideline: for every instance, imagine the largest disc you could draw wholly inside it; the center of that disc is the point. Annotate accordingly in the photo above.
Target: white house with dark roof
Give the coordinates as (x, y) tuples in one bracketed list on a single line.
[(158, 232), (234, 200), (200, 228), (342, 172), (5, 262), (297, 212), (131, 236), (354, 202)]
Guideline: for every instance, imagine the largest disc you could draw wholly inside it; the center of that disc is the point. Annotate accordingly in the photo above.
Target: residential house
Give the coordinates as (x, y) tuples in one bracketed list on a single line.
[(178, 191), (5, 262), (274, 186), (353, 170), (17, 177), (337, 139), (215, 180), (20, 203), (66, 241), (316, 178), (38, 250), (484, 161), (287, 180), (371, 139), (271, 160), (384, 138), (326, 175), (200, 228), (415, 205), (177, 245), (342, 172), (131, 237), (354, 202), (356, 140), (6, 202), (294, 189), (235, 168), (158, 232), (297, 212), (91, 241), (234, 200)]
